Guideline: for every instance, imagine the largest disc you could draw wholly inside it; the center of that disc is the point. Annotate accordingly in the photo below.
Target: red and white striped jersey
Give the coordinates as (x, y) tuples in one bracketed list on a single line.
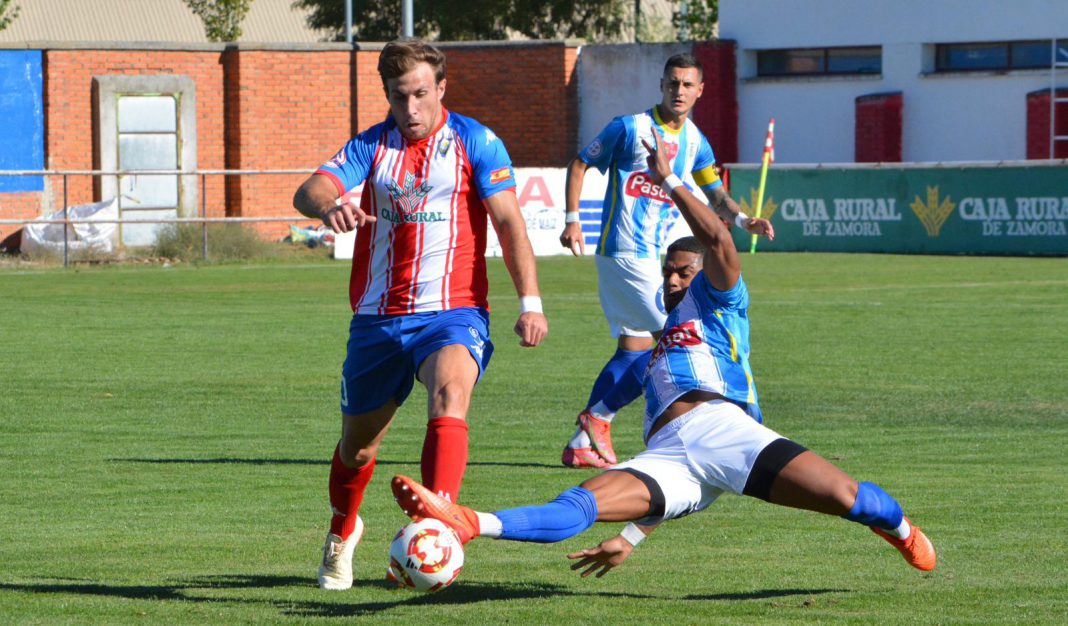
[(427, 250)]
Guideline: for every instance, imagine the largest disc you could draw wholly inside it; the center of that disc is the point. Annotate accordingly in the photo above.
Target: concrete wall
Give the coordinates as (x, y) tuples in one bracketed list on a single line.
[(962, 116)]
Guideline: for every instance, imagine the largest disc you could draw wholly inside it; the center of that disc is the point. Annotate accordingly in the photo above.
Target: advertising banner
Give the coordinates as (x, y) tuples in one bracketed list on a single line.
[(1013, 209)]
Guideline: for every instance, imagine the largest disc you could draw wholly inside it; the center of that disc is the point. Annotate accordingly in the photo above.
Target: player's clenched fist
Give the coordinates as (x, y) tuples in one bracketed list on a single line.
[(531, 327)]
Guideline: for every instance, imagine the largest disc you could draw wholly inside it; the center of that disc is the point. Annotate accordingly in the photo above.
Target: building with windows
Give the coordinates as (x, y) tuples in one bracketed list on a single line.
[(900, 80)]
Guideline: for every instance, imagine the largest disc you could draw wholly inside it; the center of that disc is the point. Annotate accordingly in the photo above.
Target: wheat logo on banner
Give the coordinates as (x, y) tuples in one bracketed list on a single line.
[(933, 214)]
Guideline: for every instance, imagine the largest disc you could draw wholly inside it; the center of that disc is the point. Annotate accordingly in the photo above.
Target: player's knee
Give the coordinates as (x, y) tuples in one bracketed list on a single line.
[(451, 398), (353, 455)]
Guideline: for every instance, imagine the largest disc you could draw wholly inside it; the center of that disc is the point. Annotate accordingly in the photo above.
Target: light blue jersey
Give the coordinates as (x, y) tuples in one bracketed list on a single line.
[(705, 346), (637, 213)]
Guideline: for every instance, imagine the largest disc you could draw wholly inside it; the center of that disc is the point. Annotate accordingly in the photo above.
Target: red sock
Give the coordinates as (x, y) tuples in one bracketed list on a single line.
[(346, 493), (445, 456)]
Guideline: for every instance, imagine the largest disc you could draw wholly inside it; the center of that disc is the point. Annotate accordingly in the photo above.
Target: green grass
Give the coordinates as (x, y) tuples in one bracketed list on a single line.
[(165, 436)]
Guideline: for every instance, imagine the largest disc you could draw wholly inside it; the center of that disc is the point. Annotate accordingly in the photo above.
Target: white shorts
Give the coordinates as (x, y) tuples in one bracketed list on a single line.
[(699, 455), (632, 295)]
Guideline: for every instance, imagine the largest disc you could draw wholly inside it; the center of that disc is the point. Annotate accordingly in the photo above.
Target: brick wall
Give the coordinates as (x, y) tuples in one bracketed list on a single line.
[(1038, 135), (285, 110), (716, 113), (525, 93), (70, 115), (878, 126)]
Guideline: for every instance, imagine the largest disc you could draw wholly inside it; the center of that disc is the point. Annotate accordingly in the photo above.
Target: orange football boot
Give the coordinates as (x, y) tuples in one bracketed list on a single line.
[(600, 433), (918, 550), (418, 502)]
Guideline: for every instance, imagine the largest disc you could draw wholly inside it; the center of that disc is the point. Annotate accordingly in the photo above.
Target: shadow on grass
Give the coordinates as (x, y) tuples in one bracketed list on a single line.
[(461, 594), (237, 461), (185, 591), (763, 594)]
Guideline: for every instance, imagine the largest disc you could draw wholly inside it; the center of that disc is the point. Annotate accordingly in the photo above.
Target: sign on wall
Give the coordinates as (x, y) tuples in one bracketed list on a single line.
[(1016, 209)]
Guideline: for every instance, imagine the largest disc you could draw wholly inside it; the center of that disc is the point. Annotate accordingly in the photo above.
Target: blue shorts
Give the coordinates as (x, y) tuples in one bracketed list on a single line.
[(385, 352)]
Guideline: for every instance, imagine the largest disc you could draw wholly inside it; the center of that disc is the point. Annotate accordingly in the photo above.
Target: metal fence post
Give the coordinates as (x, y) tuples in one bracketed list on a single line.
[(66, 224), (204, 214)]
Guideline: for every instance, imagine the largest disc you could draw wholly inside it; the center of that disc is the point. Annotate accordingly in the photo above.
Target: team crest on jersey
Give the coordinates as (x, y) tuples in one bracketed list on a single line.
[(407, 202), (444, 145), (672, 149)]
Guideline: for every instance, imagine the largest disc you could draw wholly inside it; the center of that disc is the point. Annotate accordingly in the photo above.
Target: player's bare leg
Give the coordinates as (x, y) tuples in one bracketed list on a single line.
[(811, 482), (350, 472), (450, 375)]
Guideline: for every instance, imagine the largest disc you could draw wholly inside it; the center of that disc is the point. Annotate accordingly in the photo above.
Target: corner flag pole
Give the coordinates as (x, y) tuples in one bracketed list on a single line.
[(769, 158)]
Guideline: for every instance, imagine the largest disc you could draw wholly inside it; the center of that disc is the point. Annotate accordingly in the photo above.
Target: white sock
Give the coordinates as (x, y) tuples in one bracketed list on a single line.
[(579, 440), (600, 411), (902, 531), (489, 525)]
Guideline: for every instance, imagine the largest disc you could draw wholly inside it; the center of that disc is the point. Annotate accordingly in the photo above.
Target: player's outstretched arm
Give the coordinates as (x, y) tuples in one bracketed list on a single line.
[(507, 219), (317, 198), (572, 237), (721, 264), (609, 554)]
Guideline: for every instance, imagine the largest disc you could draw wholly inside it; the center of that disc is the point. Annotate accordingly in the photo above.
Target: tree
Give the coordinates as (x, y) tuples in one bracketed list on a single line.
[(460, 20), (699, 22), (222, 18), (8, 13)]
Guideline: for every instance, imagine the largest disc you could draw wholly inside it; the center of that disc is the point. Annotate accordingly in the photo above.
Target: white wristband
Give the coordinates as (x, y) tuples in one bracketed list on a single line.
[(671, 182), (740, 219), (570, 217), (632, 534), (529, 304)]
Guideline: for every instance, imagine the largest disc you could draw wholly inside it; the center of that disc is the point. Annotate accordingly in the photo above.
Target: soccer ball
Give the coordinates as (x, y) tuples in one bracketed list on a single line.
[(426, 555)]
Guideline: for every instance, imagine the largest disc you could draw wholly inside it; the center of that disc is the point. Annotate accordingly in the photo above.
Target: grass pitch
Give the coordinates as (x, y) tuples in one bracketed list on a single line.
[(165, 437)]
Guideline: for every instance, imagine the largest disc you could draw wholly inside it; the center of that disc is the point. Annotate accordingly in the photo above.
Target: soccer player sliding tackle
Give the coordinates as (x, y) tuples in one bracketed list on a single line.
[(700, 440)]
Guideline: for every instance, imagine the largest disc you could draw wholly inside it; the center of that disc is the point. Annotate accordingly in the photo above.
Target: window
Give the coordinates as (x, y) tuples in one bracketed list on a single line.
[(820, 61), (998, 55)]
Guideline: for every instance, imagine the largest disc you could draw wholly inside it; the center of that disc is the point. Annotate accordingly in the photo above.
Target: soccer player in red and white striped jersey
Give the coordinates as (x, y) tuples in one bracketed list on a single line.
[(418, 287)]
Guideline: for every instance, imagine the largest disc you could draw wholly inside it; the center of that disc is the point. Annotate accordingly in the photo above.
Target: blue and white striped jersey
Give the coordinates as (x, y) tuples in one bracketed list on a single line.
[(637, 214), (705, 345)]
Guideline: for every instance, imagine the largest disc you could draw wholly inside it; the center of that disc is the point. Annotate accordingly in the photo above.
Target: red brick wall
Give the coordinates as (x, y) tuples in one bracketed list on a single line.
[(285, 110), (525, 93), (69, 111), (878, 124), (1038, 135), (716, 113)]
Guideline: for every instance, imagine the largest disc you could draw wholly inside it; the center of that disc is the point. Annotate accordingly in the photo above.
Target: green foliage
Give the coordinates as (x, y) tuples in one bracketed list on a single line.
[(222, 18), (167, 435), (8, 13), (700, 20), (226, 242), (462, 20)]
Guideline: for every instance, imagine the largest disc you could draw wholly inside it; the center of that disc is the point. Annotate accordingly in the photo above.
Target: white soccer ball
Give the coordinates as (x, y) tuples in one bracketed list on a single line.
[(426, 555)]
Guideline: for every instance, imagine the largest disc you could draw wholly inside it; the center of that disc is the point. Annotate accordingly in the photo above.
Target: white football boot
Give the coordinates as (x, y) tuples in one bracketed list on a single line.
[(335, 571)]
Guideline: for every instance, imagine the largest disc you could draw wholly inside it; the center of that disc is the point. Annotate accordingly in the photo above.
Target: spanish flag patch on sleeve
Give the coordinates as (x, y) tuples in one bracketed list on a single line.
[(500, 175)]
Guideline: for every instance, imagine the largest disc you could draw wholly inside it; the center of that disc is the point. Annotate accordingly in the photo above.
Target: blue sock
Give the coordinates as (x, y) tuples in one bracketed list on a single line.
[(569, 514), (875, 507), (629, 387), (614, 370)]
